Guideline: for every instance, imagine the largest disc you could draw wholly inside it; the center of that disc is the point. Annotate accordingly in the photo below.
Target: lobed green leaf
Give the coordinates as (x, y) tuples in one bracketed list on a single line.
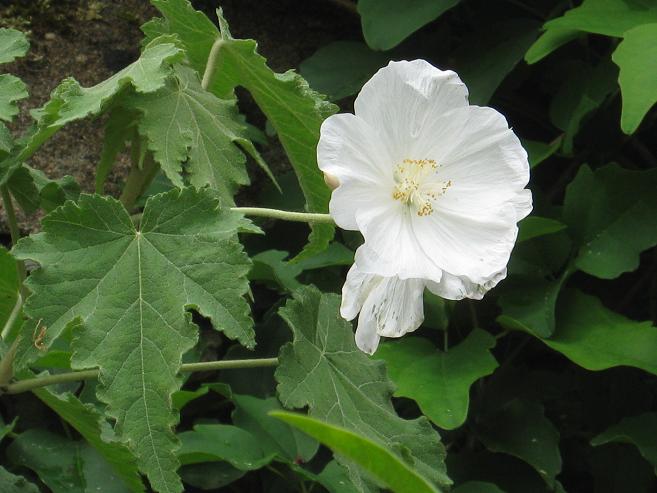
[(439, 381), (385, 466), (132, 288), (323, 369)]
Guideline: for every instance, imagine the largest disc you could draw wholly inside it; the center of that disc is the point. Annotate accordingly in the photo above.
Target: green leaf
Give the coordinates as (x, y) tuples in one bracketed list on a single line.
[(537, 152), (528, 303), (70, 101), (13, 44), (439, 381), (639, 430), (293, 109), (183, 123), (484, 70), (119, 129), (132, 288), (210, 475), (323, 369), (32, 189), (618, 468), (5, 429), (12, 89), (15, 484), (378, 460), (607, 17), (63, 465), (596, 338), (534, 226), (271, 266), (550, 41), (522, 430), (477, 487), (386, 23), (340, 68), (636, 56), (95, 429), (213, 443), (610, 214), (8, 285), (252, 415), (583, 90)]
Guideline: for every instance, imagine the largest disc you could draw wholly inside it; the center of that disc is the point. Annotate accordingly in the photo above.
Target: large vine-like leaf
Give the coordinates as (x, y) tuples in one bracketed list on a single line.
[(293, 109), (610, 212), (131, 288), (70, 101), (186, 124), (323, 369)]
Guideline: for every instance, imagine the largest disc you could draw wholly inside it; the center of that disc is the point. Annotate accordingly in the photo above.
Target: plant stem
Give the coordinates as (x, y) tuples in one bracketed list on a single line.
[(12, 317), (11, 214), (211, 64), (15, 234), (33, 383), (138, 180), (305, 217)]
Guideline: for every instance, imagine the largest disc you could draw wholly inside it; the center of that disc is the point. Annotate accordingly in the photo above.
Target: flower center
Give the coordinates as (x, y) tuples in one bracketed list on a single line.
[(415, 185)]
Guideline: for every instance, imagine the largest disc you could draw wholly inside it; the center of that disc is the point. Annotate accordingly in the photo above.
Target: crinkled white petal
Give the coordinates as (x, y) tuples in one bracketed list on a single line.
[(481, 156), (474, 245), (403, 97), (392, 247), (355, 291), (388, 306), (349, 151), (452, 287)]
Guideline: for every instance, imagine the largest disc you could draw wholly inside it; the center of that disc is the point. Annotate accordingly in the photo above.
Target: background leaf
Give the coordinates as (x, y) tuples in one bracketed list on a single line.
[(639, 430), (371, 456), (636, 57), (386, 23), (64, 465), (13, 44), (439, 381), (136, 329), (610, 214), (323, 369), (192, 132), (522, 430), (340, 69), (597, 338)]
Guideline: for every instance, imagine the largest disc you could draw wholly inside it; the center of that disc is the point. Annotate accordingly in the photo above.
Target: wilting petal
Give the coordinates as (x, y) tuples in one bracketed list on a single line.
[(355, 291), (452, 287)]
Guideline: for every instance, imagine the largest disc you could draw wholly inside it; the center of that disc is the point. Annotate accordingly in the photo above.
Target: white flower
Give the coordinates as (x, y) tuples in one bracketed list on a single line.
[(435, 186)]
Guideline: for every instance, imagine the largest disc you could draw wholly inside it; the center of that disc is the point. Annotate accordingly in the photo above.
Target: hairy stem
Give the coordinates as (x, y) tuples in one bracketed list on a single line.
[(138, 180), (15, 234), (12, 317), (211, 64), (304, 217), (33, 383)]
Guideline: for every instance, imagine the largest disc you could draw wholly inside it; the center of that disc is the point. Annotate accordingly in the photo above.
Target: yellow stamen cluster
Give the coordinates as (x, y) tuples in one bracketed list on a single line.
[(410, 189)]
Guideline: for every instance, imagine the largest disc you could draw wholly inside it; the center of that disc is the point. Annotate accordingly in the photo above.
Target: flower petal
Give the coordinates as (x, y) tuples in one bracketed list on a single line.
[(350, 148), (481, 156), (472, 243), (391, 245), (396, 306), (355, 291), (401, 98), (367, 339), (452, 287)]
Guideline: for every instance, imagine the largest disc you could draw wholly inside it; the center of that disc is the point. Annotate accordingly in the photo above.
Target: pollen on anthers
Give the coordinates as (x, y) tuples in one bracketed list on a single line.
[(415, 185)]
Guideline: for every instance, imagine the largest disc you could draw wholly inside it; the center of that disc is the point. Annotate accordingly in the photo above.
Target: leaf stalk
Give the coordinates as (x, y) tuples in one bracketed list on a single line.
[(305, 217), (33, 383), (211, 64)]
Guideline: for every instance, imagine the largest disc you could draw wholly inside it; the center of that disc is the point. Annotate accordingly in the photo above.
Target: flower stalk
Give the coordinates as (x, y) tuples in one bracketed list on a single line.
[(305, 217), (211, 64), (37, 382)]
